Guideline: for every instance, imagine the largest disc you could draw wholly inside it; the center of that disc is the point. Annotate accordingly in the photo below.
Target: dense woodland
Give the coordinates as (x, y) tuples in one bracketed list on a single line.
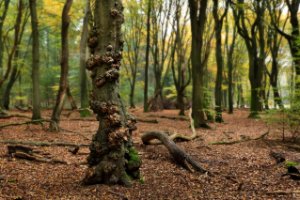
[(174, 99)]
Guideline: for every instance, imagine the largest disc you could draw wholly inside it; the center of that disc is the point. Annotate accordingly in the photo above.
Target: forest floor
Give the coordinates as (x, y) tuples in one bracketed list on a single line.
[(243, 170)]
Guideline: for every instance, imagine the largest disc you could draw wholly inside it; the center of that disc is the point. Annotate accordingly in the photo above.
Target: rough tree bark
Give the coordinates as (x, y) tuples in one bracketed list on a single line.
[(198, 21), (36, 107), (63, 83), (112, 159)]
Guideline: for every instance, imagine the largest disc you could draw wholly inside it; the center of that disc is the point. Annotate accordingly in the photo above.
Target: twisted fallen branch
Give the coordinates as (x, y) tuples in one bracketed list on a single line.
[(179, 155)]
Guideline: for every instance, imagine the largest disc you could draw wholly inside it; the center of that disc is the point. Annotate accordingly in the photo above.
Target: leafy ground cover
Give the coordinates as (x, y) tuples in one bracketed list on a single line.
[(243, 170)]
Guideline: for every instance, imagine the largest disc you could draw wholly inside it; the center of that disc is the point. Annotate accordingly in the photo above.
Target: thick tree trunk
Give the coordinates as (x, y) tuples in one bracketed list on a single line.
[(36, 107), (63, 83), (83, 57), (198, 21), (112, 158)]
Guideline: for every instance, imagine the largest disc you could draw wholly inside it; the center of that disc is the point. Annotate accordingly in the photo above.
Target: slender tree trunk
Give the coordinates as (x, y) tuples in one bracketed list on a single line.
[(131, 95), (112, 159), (17, 28), (83, 57), (230, 65), (36, 111), (71, 98), (219, 59), (12, 79), (147, 57), (63, 83), (2, 20)]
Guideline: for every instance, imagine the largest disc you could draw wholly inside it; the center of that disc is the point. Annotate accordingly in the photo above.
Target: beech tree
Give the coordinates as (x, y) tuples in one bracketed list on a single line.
[(83, 56), (4, 9), (198, 17), (149, 5), (253, 34), (219, 58), (112, 159), (36, 111), (63, 83), (181, 69)]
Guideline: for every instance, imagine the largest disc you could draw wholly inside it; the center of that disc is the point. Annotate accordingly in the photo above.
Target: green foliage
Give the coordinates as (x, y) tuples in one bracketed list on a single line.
[(291, 164)]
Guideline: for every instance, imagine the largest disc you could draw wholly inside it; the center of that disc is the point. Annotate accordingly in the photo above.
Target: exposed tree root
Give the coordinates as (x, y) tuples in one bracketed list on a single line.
[(179, 155), (41, 143), (242, 140), (39, 121)]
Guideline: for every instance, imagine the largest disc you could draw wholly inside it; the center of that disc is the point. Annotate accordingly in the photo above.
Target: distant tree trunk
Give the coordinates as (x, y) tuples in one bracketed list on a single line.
[(63, 83), (240, 95), (229, 52), (255, 50), (133, 39), (219, 59), (2, 20), (71, 98), (112, 159), (180, 77), (36, 105), (14, 54), (292, 38), (83, 57), (198, 21), (12, 79), (15, 44), (147, 57)]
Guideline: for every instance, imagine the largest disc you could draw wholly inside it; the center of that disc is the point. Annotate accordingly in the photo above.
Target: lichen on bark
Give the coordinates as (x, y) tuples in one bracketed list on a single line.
[(112, 159)]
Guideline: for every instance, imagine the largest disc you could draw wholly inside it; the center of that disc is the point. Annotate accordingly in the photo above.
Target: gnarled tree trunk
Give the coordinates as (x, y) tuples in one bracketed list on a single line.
[(112, 158)]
